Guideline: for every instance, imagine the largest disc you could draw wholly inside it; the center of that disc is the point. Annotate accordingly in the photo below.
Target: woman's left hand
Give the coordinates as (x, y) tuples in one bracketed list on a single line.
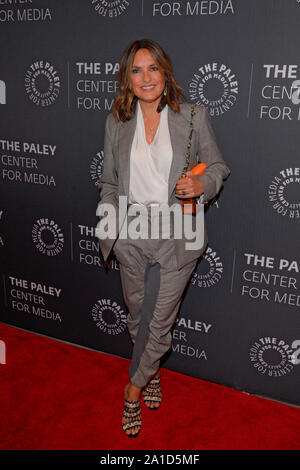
[(190, 184)]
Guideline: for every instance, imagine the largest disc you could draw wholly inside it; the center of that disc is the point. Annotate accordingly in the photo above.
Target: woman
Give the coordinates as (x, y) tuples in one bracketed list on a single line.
[(145, 144)]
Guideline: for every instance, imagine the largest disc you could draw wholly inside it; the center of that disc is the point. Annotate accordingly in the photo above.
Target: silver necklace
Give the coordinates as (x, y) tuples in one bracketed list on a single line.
[(151, 130)]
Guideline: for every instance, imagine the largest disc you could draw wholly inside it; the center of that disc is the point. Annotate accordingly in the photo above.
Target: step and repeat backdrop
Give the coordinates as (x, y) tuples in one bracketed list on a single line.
[(239, 321)]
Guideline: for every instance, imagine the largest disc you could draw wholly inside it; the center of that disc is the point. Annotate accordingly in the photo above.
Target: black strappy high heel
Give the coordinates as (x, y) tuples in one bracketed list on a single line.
[(132, 411), (152, 393)]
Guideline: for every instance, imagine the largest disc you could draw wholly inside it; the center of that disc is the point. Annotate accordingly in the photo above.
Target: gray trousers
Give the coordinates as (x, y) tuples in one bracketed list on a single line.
[(152, 290)]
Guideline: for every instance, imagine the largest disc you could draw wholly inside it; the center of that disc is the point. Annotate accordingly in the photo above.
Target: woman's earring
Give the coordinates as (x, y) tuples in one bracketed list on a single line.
[(165, 91)]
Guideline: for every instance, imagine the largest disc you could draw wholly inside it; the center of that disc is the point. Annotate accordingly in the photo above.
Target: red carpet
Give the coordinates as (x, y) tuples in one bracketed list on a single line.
[(57, 396)]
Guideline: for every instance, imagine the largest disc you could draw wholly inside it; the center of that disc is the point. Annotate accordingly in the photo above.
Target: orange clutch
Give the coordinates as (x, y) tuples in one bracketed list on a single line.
[(189, 205)]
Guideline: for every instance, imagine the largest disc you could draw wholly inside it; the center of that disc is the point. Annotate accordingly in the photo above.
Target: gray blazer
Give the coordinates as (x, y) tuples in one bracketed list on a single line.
[(115, 175)]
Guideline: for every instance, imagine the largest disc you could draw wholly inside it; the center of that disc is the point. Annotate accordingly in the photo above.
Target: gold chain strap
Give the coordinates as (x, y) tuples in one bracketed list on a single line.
[(187, 155)]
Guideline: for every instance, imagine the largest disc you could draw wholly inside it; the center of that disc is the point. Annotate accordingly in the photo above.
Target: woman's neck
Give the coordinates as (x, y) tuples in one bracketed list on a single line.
[(149, 109)]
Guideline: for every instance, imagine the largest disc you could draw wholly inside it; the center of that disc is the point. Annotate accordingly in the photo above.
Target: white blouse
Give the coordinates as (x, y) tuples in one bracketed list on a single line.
[(150, 163)]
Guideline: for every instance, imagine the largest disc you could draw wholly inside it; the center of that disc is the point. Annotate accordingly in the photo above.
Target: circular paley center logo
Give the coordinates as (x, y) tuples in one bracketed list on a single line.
[(283, 193), (47, 237), (42, 83), (110, 9), (109, 316), (208, 274), (271, 356), (214, 86), (96, 167)]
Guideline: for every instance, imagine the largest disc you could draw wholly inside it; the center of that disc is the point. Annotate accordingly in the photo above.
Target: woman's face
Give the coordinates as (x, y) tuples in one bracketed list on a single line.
[(146, 80)]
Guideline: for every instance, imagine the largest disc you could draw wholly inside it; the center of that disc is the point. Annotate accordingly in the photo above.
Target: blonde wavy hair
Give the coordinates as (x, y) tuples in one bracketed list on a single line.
[(125, 100)]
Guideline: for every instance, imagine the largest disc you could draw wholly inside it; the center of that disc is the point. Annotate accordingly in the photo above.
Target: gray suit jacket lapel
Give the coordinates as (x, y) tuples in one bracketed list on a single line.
[(179, 131)]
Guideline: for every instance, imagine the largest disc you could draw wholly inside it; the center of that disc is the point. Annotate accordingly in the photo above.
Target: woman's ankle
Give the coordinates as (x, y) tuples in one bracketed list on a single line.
[(133, 392)]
